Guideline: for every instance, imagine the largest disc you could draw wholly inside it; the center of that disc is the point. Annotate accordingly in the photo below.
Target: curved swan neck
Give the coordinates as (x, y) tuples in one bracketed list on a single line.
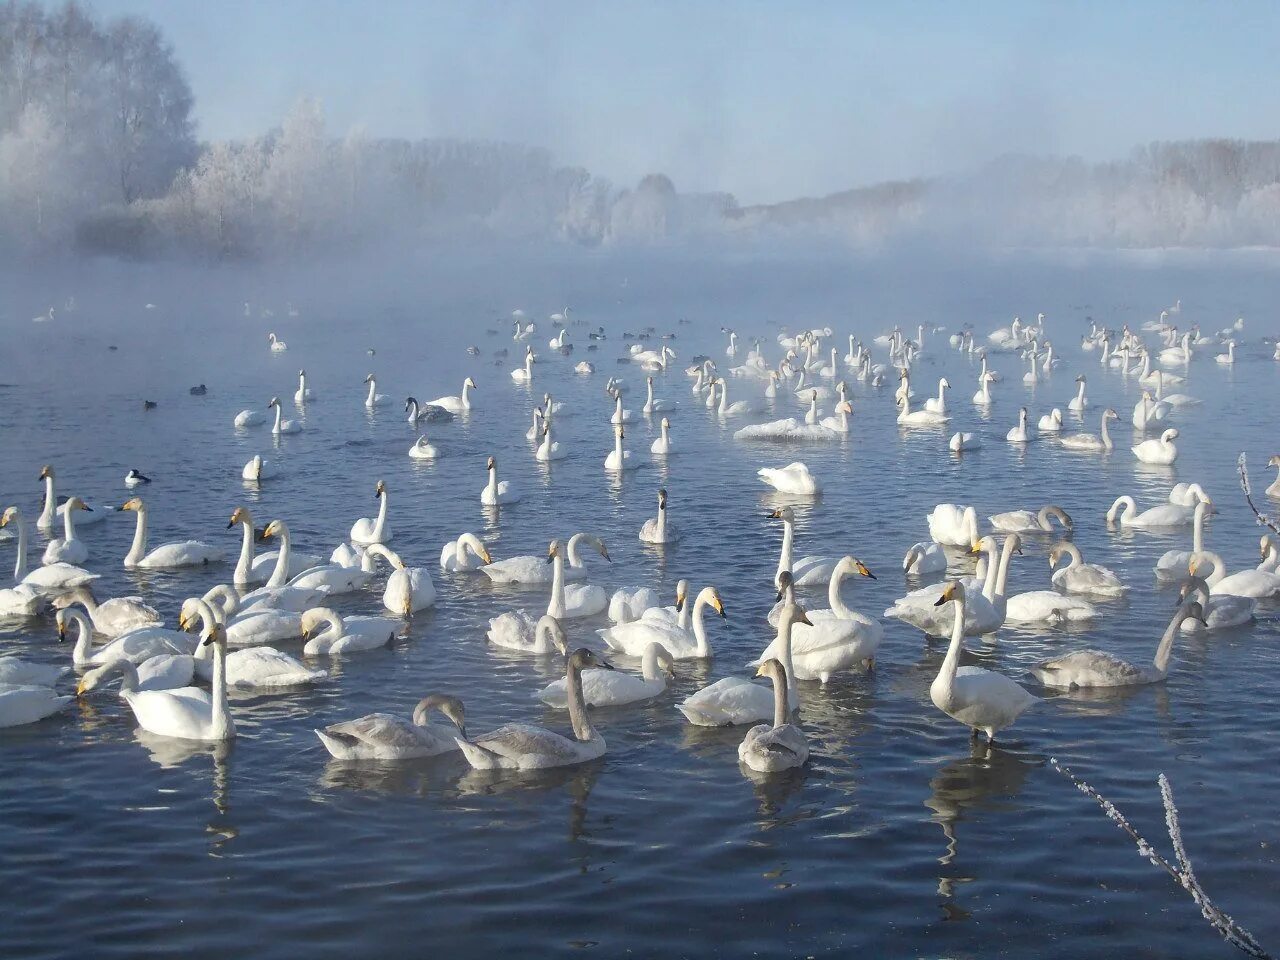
[(373, 386), (1106, 435), (138, 550), (280, 575), (1129, 505), (82, 652), (947, 673), (582, 728), (1219, 566), (838, 606), (994, 588), (699, 628), (1165, 648)]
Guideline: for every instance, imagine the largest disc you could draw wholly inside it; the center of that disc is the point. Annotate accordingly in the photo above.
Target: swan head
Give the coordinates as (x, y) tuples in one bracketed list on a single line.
[(275, 402), (46, 472), (492, 464), (239, 515), (1110, 414), (75, 503), (662, 499), (666, 425), (1192, 586), (582, 659), (450, 706), (986, 544), (316, 616), (134, 504), (410, 402), (785, 514), (953, 591), (786, 582), (666, 663), (1170, 434), (215, 633), (470, 383), (844, 406), (369, 378), (618, 429), (274, 529), (1080, 378), (11, 515), (711, 596), (379, 490), (1273, 461), (682, 594), (554, 549), (944, 384), (854, 565)]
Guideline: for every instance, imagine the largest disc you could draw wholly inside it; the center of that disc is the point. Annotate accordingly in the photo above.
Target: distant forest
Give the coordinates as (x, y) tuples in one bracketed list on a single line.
[(98, 155)]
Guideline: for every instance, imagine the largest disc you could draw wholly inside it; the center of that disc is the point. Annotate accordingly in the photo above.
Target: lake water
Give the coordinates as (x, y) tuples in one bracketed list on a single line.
[(898, 838)]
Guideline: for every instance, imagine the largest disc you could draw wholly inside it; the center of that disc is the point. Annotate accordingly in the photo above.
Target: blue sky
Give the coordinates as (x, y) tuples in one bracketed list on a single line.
[(766, 100)]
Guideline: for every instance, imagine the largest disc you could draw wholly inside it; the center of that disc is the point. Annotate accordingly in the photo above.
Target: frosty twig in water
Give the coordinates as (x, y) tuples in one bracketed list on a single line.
[(1242, 465), (1182, 873)]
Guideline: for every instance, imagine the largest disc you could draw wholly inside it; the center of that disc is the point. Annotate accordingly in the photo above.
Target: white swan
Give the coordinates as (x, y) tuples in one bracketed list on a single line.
[(374, 529), (21, 704), (788, 429), (980, 699), (795, 478), (188, 712), (251, 568), (254, 626), (657, 529), (30, 589), (327, 579), (1148, 414), (662, 446), (458, 404), (423, 449), (1173, 564), (114, 616), (1079, 402), (925, 558), (834, 640), (619, 460), (1080, 577), (250, 418), (524, 374), (134, 645), (838, 422), (655, 406), (960, 442), (953, 525), (258, 469), (15, 672), (1273, 489), (1230, 356), (528, 568), (518, 631), (497, 492), (373, 398), (303, 393), (1021, 433), (629, 604), (345, 634), (1189, 494), (1029, 521), (408, 589), (1089, 443), (1047, 606), (613, 688), (466, 553), (67, 548), (1162, 515), (741, 408), (523, 746), (277, 345), (52, 509), (918, 418), (983, 397), (185, 553), (772, 748), (1051, 422), (1163, 451), (381, 736), (1097, 668), (282, 426), (806, 571), (683, 642), (938, 404), (1243, 583), (985, 606), (254, 668)]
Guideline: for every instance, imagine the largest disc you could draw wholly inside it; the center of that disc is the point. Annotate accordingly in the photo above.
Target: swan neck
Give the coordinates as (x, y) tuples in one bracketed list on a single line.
[(276, 428), (139, 548), (493, 483), (947, 674), (649, 665), (784, 559), (582, 728), (380, 525), (244, 566), (556, 606), (1165, 650), (280, 575), (20, 565), (994, 591), (83, 650), (373, 385), (1106, 435), (703, 647), (780, 684), (221, 713), (1197, 530), (838, 606), (50, 511)]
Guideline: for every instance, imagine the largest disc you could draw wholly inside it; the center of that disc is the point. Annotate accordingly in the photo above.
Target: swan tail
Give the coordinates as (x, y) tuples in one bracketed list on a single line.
[(339, 745)]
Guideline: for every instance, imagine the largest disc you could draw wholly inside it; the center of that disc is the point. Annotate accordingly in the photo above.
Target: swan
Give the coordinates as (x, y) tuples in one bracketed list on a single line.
[(613, 688), (953, 525), (549, 450), (1163, 515), (839, 421), (522, 746), (983, 397), (925, 558), (254, 668), (458, 404), (1189, 494), (257, 569), (303, 393), (806, 571), (1173, 399), (134, 478), (249, 418), (115, 616), (408, 589), (1097, 668), (938, 404), (53, 509), (518, 631), (532, 569), (662, 446), (741, 408), (683, 642), (374, 398), (1162, 451), (252, 626), (1221, 610), (1149, 414), (811, 417), (559, 341), (1089, 443), (619, 460), (184, 553), (655, 406), (980, 699), (524, 374), (918, 418), (67, 548), (282, 426), (1020, 433), (1027, 521), (423, 449), (258, 469), (731, 701), (466, 553), (1230, 356), (794, 479), (134, 645), (961, 442), (374, 529), (1051, 422), (1173, 564), (985, 608), (1243, 583), (1079, 402), (1080, 577), (1047, 606), (277, 345), (381, 736), (345, 634), (657, 529), (21, 704), (584, 366), (628, 604), (782, 745), (835, 639), (15, 672), (27, 596), (425, 412), (188, 712), (497, 492), (1273, 489), (324, 578)]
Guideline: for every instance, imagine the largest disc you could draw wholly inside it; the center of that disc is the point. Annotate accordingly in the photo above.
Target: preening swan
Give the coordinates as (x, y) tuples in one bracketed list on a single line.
[(466, 553), (1027, 521), (960, 442), (374, 529), (1051, 422), (373, 398), (458, 404), (782, 745), (1080, 577), (613, 688), (345, 634), (682, 642), (953, 525), (1089, 443), (423, 449), (794, 479), (629, 604), (1189, 494), (1047, 606), (67, 548), (282, 426), (1097, 668), (257, 469), (1162, 451), (1221, 610), (807, 570), (518, 631), (185, 553), (408, 589), (522, 746), (657, 529), (924, 558), (980, 699), (495, 492), (382, 736)]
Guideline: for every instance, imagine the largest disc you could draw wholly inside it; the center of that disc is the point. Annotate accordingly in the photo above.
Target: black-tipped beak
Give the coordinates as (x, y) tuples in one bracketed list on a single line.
[(206, 641), (230, 524), (550, 557), (606, 665), (62, 632), (941, 600)]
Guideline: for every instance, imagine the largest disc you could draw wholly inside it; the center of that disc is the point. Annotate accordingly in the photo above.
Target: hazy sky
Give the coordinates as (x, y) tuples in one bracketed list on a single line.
[(768, 101)]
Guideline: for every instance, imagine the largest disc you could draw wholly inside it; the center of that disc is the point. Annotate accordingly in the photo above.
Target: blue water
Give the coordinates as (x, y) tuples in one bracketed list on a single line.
[(897, 838)]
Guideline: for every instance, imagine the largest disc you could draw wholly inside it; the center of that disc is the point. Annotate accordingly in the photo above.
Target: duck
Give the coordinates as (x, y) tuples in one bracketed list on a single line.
[(115, 616), (408, 589), (795, 479), (662, 446), (523, 746), (1163, 451), (168, 556), (773, 748), (614, 688), (657, 529), (373, 398), (497, 493), (258, 469), (982, 700), (683, 641), (134, 478), (68, 548), (834, 640), (531, 569), (345, 634), (1257, 584), (925, 558), (188, 713), (1125, 511), (1087, 442), (953, 525), (1028, 521), (383, 736), (464, 554), (456, 404), (1087, 669), (374, 529), (303, 393), (1080, 577)]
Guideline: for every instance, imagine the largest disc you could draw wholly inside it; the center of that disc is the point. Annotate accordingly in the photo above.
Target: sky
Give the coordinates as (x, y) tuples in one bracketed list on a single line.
[(768, 101)]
